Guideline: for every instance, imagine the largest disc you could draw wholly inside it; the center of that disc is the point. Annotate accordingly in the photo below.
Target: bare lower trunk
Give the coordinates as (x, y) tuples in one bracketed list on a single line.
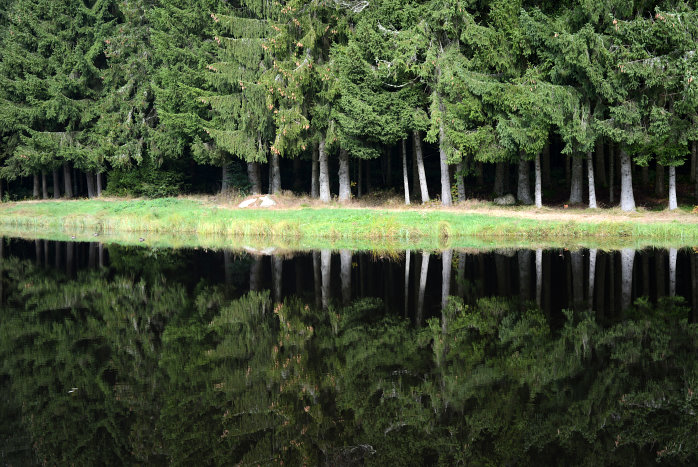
[(539, 277), (224, 177), (592, 276), (627, 260), (75, 179), (405, 181), (56, 185), (420, 167), (254, 178), (499, 173), (44, 186), (538, 187), (659, 181), (408, 254), (627, 200), (460, 181), (576, 181), (600, 163), (611, 174), (673, 253), (275, 188), (324, 173), (325, 268), (35, 189), (99, 184), (90, 178), (422, 287), (68, 185), (590, 177), (523, 192), (672, 188), (344, 182), (314, 186), (345, 275), (546, 165)]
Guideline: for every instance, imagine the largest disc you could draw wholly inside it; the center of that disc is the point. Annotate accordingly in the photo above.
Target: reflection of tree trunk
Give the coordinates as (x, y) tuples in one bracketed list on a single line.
[(227, 267), (672, 271), (539, 277), (92, 256), (592, 276), (101, 255), (325, 265), (256, 274), (524, 274), (277, 276), (408, 254), (446, 260), (600, 286), (420, 166), (317, 279), (59, 253), (69, 254), (660, 272), (694, 285), (611, 282), (627, 199), (45, 252), (645, 273), (344, 182), (577, 261), (460, 284), (345, 258), (547, 286), (502, 267), (405, 181), (422, 287), (627, 260), (37, 251)]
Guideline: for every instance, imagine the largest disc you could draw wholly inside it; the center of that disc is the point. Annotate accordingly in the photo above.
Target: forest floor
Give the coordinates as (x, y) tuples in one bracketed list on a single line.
[(302, 222)]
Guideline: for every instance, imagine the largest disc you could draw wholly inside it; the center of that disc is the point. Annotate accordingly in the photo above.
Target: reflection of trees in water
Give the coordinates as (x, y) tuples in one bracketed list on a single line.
[(167, 375)]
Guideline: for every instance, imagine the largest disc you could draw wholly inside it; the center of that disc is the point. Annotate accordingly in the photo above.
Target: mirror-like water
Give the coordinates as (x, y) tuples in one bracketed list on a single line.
[(125, 355)]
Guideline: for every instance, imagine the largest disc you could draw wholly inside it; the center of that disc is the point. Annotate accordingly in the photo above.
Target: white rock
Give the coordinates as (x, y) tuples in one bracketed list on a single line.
[(267, 202), (506, 200), (247, 203)]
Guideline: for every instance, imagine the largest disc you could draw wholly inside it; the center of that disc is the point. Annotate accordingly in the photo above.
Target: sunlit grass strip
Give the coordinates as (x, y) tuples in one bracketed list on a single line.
[(191, 217)]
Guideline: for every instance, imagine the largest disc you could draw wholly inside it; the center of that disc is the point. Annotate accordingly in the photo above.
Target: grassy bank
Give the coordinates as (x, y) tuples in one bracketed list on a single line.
[(201, 218)]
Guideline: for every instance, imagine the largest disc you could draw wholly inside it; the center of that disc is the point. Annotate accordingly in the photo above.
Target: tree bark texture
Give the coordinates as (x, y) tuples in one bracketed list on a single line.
[(324, 178), (611, 174), (420, 167), (627, 257), (590, 178), (314, 186), (44, 186), (592, 276), (275, 174), (408, 255), (405, 181), (539, 277), (627, 199), (56, 185), (99, 184), (344, 181), (524, 260), (345, 275), (600, 163), (523, 192), (68, 185), (224, 177), (672, 188), (277, 277), (460, 181), (35, 189), (673, 253), (325, 268), (659, 181), (422, 287), (694, 152), (576, 181), (446, 261), (90, 179), (499, 173), (254, 177), (538, 187)]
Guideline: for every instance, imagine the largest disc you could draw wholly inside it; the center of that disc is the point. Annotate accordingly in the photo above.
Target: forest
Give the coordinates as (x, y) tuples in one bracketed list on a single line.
[(591, 103)]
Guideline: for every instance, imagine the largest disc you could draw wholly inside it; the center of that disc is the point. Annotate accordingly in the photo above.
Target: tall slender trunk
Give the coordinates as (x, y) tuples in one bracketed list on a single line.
[(601, 163), (405, 181), (576, 181), (90, 178), (460, 180), (422, 287), (539, 278), (277, 276), (44, 185), (420, 166), (324, 173), (75, 180), (446, 199), (523, 192), (446, 261), (35, 189), (673, 253), (499, 172), (546, 164), (56, 185), (254, 178), (415, 174), (345, 275), (694, 286), (344, 182), (408, 254), (68, 188), (590, 177), (626, 273), (538, 187), (325, 268), (611, 174), (224, 177), (672, 188), (592, 276), (659, 181), (627, 199), (314, 186), (276, 174), (99, 184)]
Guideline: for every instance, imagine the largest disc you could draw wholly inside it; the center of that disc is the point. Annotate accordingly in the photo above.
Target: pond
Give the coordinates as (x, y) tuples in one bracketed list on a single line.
[(127, 355)]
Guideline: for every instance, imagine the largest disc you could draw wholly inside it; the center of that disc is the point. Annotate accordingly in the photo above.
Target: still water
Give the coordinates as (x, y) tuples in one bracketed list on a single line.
[(115, 355)]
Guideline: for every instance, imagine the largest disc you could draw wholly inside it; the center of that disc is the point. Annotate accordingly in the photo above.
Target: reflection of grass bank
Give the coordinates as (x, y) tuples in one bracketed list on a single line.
[(315, 227)]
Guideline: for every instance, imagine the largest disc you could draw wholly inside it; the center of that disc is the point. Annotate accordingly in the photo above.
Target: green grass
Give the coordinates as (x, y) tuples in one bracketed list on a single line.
[(174, 218)]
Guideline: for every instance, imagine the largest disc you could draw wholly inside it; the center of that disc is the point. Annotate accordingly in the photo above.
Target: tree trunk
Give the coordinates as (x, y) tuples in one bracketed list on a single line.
[(314, 186), (254, 178), (577, 278), (405, 181), (277, 275), (673, 253), (345, 274), (590, 176), (56, 185), (325, 268), (592, 276), (68, 188), (659, 181), (601, 163), (75, 179), (499, 173), (324, 173), (627, 199), (422, 287), (523, 192), (275, 187), (460, 181), (576, 181), (408, 253), (44, 186), (611, 174), (90, 178), (626, 274), (224, 177), (317, 280), (672, 188), (420, 167), (460, 282), (446, 260), (35, 189), (524, 260), (344, 182), (546, 164), (538, 187), (660, 272), (99, 184)]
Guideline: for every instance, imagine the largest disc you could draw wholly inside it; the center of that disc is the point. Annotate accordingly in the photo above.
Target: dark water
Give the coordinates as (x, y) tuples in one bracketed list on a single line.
[(125, 355)]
